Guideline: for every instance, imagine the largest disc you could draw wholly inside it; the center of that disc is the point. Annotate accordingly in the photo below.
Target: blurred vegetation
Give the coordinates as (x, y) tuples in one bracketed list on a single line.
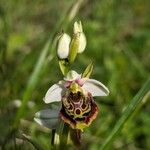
[(118, 35)]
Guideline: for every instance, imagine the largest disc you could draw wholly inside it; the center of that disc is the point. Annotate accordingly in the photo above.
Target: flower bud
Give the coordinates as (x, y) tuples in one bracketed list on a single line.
[(82, 39), (63, 46)]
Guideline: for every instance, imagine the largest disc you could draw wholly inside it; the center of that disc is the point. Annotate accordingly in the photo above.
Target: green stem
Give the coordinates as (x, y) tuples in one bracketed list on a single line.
[(53, 136), (129, 111), (75, 136), (64, 137), (64, 66), (61, 136)]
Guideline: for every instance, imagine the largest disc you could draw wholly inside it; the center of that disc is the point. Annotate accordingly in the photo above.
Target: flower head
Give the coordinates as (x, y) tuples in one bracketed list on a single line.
[(76, 95)]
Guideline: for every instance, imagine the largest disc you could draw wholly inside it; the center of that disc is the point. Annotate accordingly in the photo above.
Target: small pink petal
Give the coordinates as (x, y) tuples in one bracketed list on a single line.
[(79, 82), (67, 84)]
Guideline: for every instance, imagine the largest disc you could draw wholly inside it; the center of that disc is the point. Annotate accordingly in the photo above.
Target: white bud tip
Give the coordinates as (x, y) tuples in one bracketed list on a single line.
[(77, 27)]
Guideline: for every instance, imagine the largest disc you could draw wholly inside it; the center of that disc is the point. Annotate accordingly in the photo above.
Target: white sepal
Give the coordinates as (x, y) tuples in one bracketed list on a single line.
[(54, 93), (95, 87), (48, 118)]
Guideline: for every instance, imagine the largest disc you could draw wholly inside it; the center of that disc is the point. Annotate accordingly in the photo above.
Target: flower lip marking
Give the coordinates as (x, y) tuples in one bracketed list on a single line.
[(79, 118), (78, 111)]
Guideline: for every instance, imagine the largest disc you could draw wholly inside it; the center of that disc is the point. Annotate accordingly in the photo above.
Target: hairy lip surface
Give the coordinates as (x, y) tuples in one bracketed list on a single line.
[(78, 109)]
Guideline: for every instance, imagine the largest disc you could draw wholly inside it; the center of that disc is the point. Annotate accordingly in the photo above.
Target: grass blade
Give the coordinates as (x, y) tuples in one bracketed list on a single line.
[(135, 102)]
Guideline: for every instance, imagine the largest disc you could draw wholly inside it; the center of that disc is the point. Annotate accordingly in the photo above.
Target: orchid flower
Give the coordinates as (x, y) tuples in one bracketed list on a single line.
[(76, 91), (76, 96)]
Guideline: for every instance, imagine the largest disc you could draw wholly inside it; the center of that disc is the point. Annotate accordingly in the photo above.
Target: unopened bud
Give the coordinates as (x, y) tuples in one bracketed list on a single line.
[(63, 46), (82, 39)]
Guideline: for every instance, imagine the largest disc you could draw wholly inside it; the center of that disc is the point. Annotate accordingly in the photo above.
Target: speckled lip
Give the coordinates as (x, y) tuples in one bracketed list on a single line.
[(78, 110)]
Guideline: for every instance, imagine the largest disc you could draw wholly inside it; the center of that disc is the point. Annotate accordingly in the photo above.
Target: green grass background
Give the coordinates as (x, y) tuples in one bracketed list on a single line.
[(118, 41)]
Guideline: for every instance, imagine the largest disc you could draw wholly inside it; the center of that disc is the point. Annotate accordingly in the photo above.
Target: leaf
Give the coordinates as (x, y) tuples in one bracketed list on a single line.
[(88, 71), (36, 145), (129, 111)]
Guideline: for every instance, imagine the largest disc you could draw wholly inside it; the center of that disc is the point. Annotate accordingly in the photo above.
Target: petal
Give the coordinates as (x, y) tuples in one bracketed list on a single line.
[(54, 93), (95, 87), (48, 118)]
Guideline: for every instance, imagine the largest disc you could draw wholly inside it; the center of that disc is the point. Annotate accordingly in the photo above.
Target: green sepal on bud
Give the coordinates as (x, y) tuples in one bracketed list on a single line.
[(74, 47), (88, 71)]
